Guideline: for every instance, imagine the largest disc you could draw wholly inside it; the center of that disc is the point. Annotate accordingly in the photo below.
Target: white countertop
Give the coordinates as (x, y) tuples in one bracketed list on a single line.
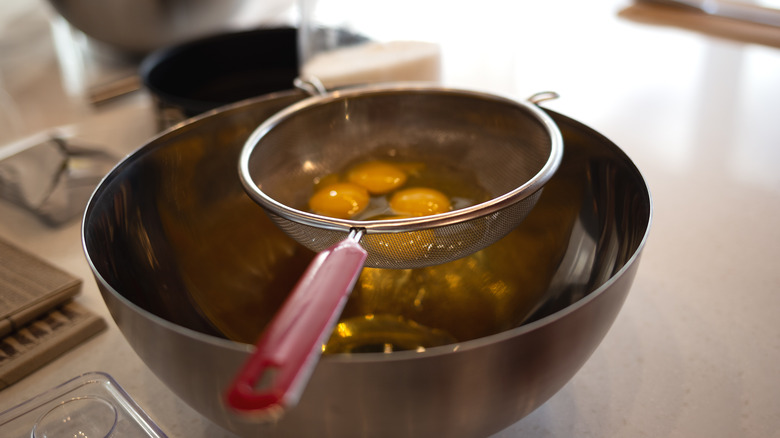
[(695, 351)]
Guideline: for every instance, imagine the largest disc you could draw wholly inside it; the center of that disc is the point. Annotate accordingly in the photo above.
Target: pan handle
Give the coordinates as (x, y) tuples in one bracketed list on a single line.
[(275, 375)]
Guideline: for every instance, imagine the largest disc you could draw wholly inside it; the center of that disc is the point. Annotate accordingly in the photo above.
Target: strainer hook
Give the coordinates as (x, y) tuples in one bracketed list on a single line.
[(311, 85), (542, 96)]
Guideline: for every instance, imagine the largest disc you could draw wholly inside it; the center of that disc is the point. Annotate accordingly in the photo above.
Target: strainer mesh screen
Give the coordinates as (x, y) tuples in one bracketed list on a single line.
[(499, 143), (418, 249)]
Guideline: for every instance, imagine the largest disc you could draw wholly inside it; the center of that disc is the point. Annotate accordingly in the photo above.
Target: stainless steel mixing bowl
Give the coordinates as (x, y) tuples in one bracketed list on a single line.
[(175, 245), (140, 26)]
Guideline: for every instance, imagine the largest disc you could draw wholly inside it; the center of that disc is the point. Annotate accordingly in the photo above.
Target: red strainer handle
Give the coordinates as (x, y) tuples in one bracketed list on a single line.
[(274, 376)]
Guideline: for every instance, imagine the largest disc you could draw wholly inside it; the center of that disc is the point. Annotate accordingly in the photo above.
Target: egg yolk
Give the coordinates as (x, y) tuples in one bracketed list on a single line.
[(339, 200), (378, 177), (326, 180), (419, 201)]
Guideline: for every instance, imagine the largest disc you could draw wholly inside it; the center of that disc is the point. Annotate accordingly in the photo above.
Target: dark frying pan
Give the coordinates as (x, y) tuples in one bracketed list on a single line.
[(189, 79)]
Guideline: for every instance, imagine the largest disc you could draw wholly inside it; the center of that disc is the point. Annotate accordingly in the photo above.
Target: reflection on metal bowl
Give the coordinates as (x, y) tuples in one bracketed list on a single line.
[(184, 257)]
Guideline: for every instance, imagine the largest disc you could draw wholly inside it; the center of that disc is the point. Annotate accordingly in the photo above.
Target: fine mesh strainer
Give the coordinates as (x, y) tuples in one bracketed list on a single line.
[(510, 148)]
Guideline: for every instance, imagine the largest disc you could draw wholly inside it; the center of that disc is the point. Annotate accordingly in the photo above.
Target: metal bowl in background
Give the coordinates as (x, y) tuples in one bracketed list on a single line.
[(173, 242), (140, 26)]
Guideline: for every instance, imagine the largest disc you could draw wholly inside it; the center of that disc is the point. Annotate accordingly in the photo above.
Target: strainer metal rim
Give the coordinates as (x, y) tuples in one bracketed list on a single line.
[(407, 224)]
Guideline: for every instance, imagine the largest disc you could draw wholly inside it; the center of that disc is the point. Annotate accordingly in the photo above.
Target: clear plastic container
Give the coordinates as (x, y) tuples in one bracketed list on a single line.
[(91, 405)]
